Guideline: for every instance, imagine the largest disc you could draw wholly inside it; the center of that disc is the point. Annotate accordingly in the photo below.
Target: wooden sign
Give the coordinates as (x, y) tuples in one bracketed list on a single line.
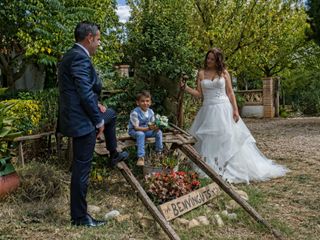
[(186, 203)]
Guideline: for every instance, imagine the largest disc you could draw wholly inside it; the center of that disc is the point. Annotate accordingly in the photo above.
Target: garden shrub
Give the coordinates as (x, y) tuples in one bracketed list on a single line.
[(48, 100), (3, 91), (41, 182), (36, 111), (27, 114), (7, 93)]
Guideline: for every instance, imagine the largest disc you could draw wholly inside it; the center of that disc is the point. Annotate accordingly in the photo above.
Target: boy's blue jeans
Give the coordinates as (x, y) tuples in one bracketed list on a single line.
[(140, 139)]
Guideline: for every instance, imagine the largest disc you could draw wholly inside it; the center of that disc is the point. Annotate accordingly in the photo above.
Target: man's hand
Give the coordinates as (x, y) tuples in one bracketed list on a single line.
[(102, 108), (100, 132)]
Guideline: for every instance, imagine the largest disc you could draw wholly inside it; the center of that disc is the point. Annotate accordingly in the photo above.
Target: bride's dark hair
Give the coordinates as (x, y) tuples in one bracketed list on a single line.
[(219, 60)]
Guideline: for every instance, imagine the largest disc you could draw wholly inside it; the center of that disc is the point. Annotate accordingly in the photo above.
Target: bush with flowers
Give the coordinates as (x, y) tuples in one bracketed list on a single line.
[(163, 186), (25, 112)]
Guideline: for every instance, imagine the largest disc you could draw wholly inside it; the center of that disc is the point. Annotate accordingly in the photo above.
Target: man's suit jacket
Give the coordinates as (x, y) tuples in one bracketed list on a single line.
[(79, 88)]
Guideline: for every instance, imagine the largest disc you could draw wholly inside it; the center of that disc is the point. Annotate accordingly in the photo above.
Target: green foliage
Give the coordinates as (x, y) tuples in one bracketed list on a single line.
[(3, 91), (259, 38), (24, 114), (7, 127), (240, 100), (256, 36), (159, 47), (7, 93), (283, 112), (124, 101), (48, 107), (6, 122), (41, 31), (313, 10), (170, 161), (48, 100), (301, 86)]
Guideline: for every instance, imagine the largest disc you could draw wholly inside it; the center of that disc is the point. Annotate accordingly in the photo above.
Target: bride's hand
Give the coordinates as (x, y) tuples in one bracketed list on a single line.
[(183, 85), (236, 116)]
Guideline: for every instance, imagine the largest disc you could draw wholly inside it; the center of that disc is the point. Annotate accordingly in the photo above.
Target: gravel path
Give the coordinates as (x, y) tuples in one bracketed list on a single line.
[(294, 143)]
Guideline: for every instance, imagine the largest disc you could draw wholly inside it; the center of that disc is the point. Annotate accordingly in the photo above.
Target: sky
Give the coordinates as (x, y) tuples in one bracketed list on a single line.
[(123, 11)]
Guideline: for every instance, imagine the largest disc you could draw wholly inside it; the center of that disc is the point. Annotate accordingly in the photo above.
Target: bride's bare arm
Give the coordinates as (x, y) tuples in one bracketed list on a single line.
[(196, 92), (231, 95)]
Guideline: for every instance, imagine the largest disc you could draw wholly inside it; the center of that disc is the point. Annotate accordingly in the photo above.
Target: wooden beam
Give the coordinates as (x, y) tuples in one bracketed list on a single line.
[(165, 225), (196, 158), (179, 129), (32, 137)]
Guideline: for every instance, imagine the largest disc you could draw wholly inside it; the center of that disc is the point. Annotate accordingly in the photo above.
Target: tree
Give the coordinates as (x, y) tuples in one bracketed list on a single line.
[(301, 87), (41, 31), (160, 47), (313, 10), (260, 36)]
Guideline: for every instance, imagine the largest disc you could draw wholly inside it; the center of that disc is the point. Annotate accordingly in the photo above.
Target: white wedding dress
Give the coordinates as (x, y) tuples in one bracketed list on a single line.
[(228, 147)]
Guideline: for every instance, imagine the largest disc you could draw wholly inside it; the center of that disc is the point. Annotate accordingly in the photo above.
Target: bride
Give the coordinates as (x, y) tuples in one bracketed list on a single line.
[(222, 137)]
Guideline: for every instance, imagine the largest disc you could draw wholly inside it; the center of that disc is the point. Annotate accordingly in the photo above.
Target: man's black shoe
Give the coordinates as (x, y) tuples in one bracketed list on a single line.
[(121, 156), (87, 221)]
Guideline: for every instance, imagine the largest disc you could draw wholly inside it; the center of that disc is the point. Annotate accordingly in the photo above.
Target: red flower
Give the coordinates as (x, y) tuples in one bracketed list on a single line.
[(166, 186)]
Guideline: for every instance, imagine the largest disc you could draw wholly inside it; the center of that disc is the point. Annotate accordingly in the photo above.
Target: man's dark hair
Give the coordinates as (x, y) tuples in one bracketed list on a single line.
[(83, 29), (144, 93)]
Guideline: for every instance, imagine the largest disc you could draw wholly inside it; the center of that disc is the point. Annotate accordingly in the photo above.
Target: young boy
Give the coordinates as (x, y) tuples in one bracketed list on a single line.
[(140, 127)]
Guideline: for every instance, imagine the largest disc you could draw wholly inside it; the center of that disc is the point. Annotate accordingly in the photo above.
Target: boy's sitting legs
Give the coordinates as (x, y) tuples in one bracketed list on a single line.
[(140, 142), (140, 137), (158, 138)]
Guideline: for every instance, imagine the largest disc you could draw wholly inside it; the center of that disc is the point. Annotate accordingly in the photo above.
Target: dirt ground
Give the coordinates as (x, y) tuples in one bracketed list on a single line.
[(290, 203), (293, 142)]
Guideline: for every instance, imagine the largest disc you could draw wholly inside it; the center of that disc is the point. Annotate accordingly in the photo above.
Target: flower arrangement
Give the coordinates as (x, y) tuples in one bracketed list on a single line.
[(161, 122), (167, 186)]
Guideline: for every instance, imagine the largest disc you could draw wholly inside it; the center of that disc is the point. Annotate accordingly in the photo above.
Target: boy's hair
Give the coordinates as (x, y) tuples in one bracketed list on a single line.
[(144, 93)]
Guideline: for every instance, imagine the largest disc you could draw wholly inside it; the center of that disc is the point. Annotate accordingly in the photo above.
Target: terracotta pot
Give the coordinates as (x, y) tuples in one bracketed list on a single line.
[(9, 179), (8, 183)]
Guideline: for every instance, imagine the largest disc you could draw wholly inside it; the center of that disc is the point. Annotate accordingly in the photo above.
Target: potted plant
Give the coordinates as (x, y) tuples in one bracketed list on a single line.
[(9, 180), (163, 187)]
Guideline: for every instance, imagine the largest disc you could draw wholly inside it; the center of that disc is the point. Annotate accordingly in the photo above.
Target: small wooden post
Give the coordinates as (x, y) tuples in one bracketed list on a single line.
[(147, 201), (21, 156), (180, 119)]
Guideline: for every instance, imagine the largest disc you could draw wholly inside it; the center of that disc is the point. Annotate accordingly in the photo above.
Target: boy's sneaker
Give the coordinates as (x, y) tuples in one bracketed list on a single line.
[(140, 161)]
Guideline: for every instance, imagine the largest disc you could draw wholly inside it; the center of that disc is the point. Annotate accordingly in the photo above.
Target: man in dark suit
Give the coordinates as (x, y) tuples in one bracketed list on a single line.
[(83, 118)]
